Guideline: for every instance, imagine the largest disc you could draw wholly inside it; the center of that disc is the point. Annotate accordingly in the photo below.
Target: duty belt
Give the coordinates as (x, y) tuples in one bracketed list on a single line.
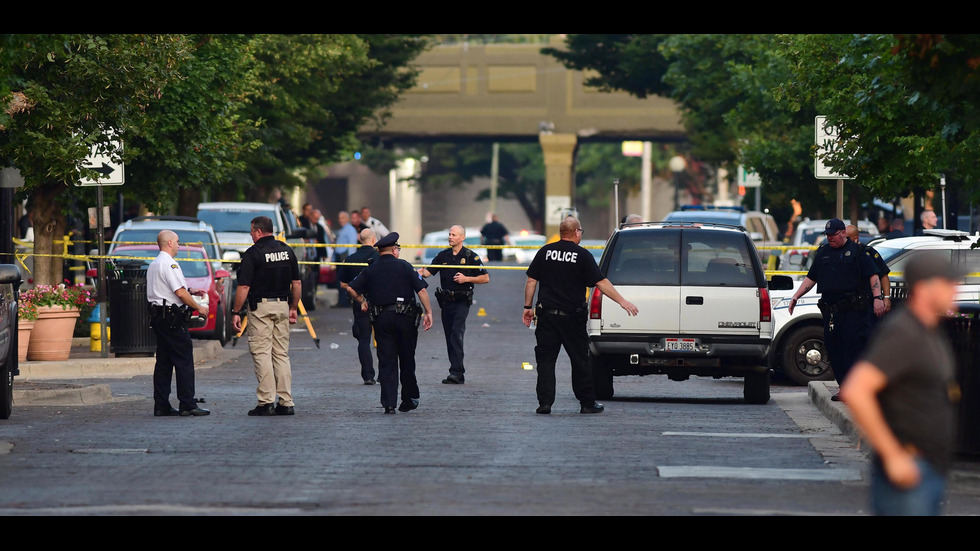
[(852, 302), (444, 296), (556, 312), (409, 309), (172, 315)]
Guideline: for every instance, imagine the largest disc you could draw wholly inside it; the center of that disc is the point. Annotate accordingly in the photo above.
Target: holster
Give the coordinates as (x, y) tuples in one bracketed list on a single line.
[(444, 296), (852, 302)]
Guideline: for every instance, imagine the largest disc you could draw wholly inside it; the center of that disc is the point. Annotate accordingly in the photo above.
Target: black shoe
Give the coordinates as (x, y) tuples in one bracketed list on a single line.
[(161, 412), (452, 380), (389, 410), (409, 406), (264, 409), (196, 412), (596, 407), (284, 410), (543, 408), (370, 382)]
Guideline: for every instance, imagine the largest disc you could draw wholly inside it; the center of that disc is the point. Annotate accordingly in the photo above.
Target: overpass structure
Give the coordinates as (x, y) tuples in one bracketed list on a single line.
[(513, 92)]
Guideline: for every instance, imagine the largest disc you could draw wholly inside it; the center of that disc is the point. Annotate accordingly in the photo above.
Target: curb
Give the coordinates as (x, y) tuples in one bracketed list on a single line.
[(820, 393), (111, 367)]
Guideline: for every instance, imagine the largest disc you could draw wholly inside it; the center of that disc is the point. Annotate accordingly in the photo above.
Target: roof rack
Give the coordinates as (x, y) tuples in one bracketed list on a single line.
[(713, 207), (166, 217), (684, 223)]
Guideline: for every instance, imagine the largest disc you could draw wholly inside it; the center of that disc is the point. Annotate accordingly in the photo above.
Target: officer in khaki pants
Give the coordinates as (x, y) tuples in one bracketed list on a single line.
[(268, 279)]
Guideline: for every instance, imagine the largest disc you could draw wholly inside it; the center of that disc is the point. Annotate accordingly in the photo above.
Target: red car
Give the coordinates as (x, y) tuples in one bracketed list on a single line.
[(199, 274)]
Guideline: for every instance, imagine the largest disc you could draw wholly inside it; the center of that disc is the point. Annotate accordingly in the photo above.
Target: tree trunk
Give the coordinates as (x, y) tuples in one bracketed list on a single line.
[(49, 231)]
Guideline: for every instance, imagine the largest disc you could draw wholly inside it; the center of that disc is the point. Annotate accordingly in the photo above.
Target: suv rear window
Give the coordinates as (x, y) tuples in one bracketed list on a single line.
[(187, 237), (651, 258), (232, 219)]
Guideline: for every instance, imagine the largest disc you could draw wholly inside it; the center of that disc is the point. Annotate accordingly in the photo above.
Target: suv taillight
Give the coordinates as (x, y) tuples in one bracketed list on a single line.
[(765, 307), (595, 304)]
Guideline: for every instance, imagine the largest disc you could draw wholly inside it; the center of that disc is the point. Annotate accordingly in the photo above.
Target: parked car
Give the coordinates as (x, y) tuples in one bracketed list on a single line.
[(200, 274), (761, 226), (704, 307), (10, 280), (232, 222), (798, 350), (807, 233), (518, 253)]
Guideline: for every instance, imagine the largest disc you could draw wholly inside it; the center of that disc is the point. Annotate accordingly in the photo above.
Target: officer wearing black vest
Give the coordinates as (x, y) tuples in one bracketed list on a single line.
[(269, 281), (361, 328), (564, 270), (391, 284), (459, 269), (843, 273)]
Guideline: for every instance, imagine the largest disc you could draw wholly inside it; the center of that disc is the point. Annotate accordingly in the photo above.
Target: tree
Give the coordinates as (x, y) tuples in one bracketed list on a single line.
[(75, 88)]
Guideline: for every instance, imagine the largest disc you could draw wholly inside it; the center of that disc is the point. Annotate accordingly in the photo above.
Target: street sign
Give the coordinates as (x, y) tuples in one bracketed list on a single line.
[(747, 178), (112, 172), (826, 140)]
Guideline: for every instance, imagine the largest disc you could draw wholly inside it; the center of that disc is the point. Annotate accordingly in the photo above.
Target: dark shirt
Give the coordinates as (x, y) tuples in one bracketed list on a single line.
[(466, 257), (563, 271), (268, 268), (840, 271), (894, 233), (921, 378), (494, 233), (365, 254), (387, 280)]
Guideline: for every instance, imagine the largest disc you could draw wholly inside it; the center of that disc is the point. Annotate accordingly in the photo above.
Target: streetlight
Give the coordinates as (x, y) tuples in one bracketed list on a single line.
[(677, 165)]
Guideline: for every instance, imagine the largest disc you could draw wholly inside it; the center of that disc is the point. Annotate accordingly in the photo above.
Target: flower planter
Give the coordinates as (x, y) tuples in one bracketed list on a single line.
[(23, 338), (52, 334)]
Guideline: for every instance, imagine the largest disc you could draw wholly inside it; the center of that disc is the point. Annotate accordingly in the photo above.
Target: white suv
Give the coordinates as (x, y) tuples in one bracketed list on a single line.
[(704, 307)]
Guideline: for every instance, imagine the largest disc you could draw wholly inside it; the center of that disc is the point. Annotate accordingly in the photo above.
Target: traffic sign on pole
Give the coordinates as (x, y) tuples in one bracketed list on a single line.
[(826, 140), (112, 172)]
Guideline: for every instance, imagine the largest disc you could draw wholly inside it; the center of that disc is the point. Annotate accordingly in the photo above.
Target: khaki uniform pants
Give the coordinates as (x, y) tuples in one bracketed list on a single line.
[(268, 341)]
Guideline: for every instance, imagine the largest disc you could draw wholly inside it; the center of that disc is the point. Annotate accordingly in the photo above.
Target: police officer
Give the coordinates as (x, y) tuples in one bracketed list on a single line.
[(564, 270), (269, 281), (171, 301), (881, 267), (361, 329), (455, 296), (391, 285), (844, 274)]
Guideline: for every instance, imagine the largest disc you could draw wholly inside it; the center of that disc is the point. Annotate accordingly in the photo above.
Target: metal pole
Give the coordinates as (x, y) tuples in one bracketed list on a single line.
[(494, 172), (645, 183), (616, 201), (102, 303), (942, 184), (840, 199)]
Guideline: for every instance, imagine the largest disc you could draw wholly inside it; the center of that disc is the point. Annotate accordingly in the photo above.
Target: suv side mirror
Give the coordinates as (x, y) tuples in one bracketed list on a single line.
[(780, 283), (231, 256)]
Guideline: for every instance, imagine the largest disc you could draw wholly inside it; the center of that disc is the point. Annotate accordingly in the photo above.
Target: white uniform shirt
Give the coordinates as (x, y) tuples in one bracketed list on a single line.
[(377, 227), (163, 278)]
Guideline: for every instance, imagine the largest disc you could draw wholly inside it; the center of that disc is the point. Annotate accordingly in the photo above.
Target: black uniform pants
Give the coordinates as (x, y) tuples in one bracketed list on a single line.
[(552, 333), (846, 341), (175, 354), (397, 337), (454, 325), (361, 329)]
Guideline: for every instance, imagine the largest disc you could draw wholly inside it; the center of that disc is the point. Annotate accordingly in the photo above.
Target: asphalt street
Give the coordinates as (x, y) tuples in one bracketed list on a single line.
[(661, 447)]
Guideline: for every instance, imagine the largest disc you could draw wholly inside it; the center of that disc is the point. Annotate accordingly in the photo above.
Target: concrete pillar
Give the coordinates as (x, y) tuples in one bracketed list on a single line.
[(406, 204), (559, 152)]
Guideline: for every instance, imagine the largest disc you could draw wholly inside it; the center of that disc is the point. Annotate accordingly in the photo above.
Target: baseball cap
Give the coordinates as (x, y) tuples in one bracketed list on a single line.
[(927, 265), (833, 226)]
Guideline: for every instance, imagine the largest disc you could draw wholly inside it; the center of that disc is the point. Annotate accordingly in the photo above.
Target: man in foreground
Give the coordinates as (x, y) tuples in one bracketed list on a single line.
[(901, 394)]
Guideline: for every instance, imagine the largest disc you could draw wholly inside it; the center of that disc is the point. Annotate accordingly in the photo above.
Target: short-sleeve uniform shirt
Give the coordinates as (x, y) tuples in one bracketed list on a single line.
[(840, 271), (387, 280), (163, 278), (268, 268), (563, 270), (447, 264)]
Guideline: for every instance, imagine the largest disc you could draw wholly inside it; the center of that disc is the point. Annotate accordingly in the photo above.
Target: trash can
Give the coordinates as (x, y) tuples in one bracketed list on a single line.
[(130, 311), (964, 334)]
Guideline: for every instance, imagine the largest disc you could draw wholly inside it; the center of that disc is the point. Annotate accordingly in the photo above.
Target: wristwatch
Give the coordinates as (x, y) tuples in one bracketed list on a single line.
[(880, 297), (526, 307)]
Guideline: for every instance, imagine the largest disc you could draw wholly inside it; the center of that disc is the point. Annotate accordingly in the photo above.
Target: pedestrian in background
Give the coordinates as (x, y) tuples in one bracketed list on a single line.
[(268, 281), (843, 274), (379, 229), (853, 234), (902, 392), (361, 328), (170, 301), (897, 228), (494, 233), (346, 235), (929, 221), (561, 272), (355, 220), (459, 268), (392, 283)]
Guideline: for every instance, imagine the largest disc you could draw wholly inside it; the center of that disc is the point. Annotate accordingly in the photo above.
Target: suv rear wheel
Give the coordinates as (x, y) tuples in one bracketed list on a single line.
[(755, 387), (602, 376)]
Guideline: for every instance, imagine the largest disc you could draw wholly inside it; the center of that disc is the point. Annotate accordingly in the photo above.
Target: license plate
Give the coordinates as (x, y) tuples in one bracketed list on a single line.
[(680, 345)]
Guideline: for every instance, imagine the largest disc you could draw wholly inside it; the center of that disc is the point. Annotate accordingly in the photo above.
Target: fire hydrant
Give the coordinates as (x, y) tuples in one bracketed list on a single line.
[(95, 330)]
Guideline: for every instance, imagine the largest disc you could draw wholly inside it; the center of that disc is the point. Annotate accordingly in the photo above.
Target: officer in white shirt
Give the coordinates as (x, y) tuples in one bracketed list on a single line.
[(171, 304)]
